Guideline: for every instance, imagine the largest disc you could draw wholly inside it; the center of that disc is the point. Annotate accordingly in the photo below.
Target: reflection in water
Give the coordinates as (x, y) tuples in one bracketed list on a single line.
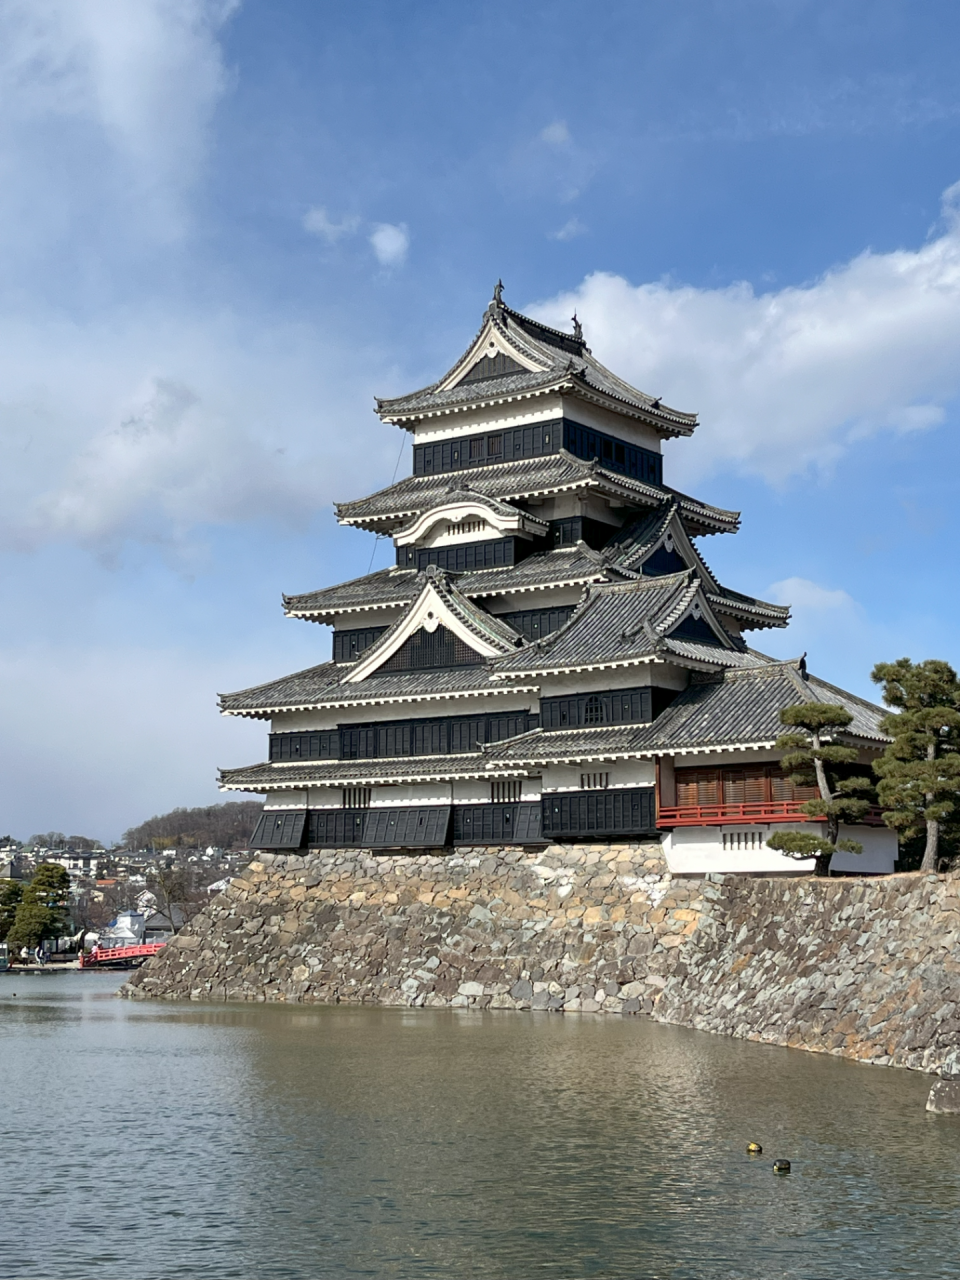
[(146, 1141)]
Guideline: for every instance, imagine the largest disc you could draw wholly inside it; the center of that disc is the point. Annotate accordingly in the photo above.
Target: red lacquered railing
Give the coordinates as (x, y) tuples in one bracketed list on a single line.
[(715, 815), (106, 955)]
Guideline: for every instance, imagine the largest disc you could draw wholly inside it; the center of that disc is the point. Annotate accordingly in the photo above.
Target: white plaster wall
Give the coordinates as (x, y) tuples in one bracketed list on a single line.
[(699, 850), (416, 793), (440, 534), (522, 413), (471, 790), (325, 798), (661, 674), (286, 800), (538, 598), (539, 409), (329, 718), (623, 773), (352, 619), (614, 424)]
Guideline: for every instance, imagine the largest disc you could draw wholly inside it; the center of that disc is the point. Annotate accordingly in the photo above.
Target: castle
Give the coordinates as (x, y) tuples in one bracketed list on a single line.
[(551, 658)]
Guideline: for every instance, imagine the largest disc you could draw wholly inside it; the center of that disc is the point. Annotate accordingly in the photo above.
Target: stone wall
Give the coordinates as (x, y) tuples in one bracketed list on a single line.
[(578, 928), (864, 968)]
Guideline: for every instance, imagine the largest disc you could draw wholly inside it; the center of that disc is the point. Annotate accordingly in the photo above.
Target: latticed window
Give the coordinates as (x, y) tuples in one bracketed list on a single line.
[(494, 446), (594, 781), (744, 784), (740, 841), (466, 527), (505, 791), (424, 649), (593, 710), (476, 447), (356, 797)]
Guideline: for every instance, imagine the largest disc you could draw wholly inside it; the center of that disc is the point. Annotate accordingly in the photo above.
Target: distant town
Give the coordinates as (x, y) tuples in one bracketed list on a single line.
[(65, 895)]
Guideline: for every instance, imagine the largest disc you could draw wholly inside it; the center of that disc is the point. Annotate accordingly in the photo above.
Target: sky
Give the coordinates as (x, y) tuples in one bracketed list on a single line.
[(226, 225)]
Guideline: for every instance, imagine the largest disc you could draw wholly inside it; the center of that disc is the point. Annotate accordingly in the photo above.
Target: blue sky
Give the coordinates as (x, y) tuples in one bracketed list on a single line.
[(225, 227)]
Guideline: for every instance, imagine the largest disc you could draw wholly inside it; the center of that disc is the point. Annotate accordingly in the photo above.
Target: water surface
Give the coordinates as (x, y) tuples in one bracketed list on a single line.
[(159, 1141)]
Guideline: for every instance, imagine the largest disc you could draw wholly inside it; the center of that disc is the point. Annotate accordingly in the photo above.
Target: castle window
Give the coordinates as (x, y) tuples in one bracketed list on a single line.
[(505, 791), (356, 797), (594, 781), (476, 448), (494, 446), (466, 527), (593, 710), (740, 841)]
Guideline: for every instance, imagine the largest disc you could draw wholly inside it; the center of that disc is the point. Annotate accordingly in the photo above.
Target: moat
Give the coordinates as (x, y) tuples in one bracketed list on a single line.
[(151, 1140)]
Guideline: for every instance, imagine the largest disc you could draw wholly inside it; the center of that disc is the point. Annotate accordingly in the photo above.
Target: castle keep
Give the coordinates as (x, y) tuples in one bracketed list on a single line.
[(550, 658)]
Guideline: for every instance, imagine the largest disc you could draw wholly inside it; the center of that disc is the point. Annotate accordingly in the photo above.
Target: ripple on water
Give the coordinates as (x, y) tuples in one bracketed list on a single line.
[(172, 1141)]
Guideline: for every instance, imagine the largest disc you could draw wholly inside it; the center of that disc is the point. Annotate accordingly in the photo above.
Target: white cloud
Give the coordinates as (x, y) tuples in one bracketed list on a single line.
[(574, 227), (106, 100), (390, 243), (149, 430), (786, 380), (556, 134), (801, 593), (318, 222), (831, 627)]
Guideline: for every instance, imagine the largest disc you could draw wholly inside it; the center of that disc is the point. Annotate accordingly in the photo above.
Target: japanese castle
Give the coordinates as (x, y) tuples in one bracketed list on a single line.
[(551, 658)]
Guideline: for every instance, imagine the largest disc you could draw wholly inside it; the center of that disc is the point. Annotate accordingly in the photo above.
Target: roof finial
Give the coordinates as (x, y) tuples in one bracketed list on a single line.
[(577, 328), (498, 293), (802, 666)]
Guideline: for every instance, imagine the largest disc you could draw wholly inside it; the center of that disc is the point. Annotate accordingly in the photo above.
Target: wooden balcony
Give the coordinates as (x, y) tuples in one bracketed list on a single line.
[(716, 815)]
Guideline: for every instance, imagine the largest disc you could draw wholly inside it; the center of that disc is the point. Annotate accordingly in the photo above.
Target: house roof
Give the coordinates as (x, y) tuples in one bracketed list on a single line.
[(617, 624), (566, 566), (353, 773), (575, 566), (326, 686), (736, 708), (529, 478), (538, 359)]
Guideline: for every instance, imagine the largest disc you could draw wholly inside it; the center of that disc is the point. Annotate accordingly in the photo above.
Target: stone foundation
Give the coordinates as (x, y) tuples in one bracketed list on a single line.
[(578, 928), (863, 968)]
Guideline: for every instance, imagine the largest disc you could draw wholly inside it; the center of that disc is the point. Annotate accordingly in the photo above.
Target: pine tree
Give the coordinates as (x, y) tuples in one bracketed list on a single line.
[(919, 771), (44, 908), (11, 894), (811, 759)]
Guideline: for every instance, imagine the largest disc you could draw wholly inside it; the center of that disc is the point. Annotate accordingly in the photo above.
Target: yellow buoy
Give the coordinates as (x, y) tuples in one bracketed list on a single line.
[(754, 1149), (781, 1166)]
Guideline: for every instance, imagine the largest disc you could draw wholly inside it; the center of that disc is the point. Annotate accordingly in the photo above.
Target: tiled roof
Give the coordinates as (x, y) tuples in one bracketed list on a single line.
[(527, 478), (377, 590), (736, 709), (749, 609), (561, 360), (559, 746), (567, 566), (323, 687), (628, 549), (352, 773), (619, 623)]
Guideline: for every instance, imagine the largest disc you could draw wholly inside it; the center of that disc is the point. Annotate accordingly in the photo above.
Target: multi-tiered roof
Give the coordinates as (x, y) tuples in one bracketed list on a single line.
[(549, 608)]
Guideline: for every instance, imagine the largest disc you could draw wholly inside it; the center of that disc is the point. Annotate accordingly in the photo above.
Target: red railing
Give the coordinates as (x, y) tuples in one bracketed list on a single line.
[(109, 955), (715, 815)]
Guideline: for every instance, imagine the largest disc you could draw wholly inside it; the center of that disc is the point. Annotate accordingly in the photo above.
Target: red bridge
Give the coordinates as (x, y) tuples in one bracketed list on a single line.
[(110, 955)]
